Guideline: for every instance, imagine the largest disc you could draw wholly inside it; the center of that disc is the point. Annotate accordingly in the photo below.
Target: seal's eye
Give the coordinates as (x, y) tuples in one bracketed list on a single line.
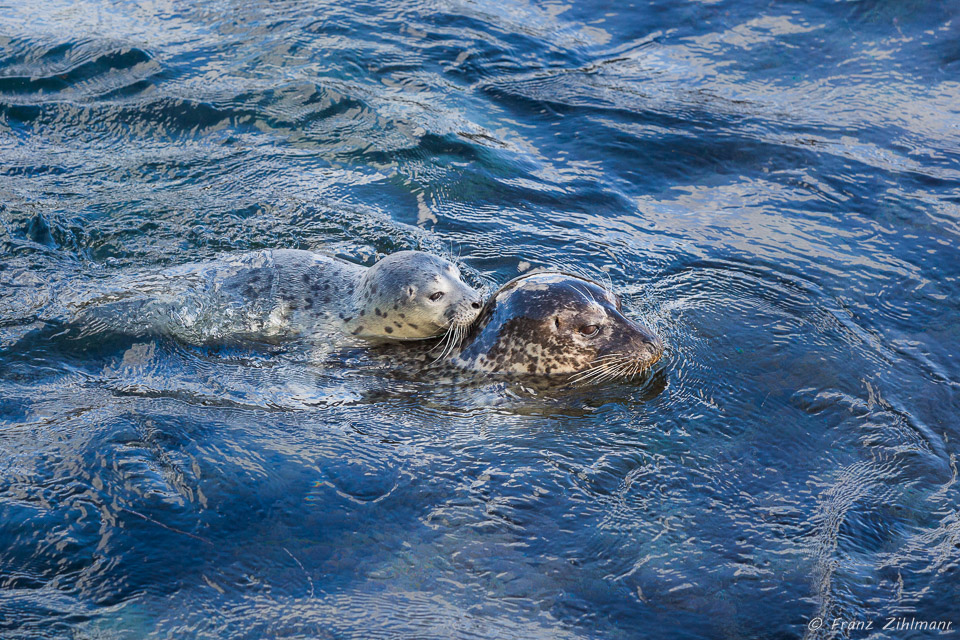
[(589, 330), (437, 296)]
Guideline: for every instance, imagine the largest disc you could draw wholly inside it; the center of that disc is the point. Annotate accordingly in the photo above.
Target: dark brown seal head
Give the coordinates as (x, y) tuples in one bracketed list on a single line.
[(556, 324)]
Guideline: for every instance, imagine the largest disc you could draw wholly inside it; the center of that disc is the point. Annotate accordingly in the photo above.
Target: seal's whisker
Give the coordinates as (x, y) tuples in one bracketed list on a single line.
[(592, 373), (441, 340), (583, 376), (605, 363), (608, 357), (613, 372), (599, 364), (443, 343), (455, 340), (609, 367), (602, 362), (586, 294), (451, 340), (607, 375)]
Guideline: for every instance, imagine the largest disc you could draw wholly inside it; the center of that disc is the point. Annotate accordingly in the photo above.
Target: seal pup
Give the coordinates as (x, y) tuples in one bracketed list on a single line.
[(553, 325), (283, 294)]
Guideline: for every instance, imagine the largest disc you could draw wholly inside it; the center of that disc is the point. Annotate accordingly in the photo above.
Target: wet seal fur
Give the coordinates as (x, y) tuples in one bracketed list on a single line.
[(555, 325), (274, 295)]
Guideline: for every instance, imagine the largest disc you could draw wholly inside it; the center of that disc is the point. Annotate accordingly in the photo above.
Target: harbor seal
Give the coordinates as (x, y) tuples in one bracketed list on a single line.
[(553, 325), (282, 294)]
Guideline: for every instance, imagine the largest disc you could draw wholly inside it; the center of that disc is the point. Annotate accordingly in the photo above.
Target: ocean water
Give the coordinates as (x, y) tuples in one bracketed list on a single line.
[(773, 186)]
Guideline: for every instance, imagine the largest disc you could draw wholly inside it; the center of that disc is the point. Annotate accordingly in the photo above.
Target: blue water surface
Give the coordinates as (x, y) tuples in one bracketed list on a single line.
[(773, 185)]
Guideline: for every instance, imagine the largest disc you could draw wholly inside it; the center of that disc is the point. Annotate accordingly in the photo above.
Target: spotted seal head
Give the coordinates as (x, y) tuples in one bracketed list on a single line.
[(411, 295), (555, 324)]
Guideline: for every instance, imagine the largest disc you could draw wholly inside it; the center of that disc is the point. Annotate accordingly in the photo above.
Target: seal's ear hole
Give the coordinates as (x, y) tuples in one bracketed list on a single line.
[(556, 321), (411, 291)]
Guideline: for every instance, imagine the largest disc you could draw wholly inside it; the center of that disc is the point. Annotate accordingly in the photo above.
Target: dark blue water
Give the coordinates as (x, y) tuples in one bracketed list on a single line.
[(775, 186)]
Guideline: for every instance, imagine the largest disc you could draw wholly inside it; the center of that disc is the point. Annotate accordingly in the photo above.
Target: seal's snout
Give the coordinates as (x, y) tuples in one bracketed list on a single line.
[(467, 310), (649, 346), (646, 345), (476, 302), (472, 298)]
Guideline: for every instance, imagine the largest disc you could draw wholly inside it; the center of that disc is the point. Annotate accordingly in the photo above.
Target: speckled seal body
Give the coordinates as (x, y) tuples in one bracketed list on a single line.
[(276, 295), (555, 324)]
